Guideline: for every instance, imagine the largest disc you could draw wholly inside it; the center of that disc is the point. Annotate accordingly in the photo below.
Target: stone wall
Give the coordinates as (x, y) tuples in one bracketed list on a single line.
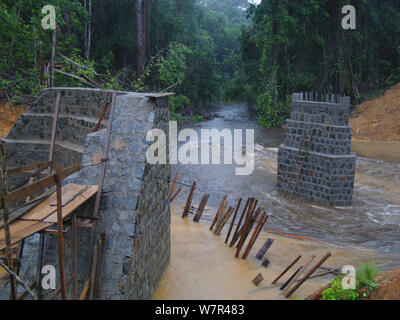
[(29, 140), (329, 167), (134, 211)]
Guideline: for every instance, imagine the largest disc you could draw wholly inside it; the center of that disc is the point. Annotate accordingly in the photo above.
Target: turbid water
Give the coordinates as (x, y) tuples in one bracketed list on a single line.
[(373, 221), (202, 267)]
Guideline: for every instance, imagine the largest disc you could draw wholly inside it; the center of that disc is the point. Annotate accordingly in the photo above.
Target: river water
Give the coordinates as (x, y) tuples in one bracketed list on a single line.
[(373, 221)]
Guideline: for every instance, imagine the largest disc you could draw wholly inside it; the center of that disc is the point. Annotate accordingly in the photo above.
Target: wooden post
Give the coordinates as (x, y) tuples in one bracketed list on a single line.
[(61, 249), (4, 181), (74, 258), (238, 225), (99, 282), (171, 192), (221, 215), (189, 201), (257, 280), (224, 220), (264, 249), (94, 269), (221, 204), (256, 233), (287, 269), (298, 275), (54, 130), (245, 227), (176, 194), (309, 273), (103, 114), (233, 221), (201, 208)]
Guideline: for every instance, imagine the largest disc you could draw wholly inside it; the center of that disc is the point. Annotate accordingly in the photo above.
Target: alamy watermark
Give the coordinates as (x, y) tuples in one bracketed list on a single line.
[(196, 150), (349, 20), (49, 20)]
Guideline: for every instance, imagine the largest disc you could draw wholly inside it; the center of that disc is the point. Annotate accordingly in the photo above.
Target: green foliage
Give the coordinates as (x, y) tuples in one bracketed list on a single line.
[(366, 283), (293, 46)]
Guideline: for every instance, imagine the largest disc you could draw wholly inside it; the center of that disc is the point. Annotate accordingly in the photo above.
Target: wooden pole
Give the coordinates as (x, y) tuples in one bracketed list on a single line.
[(221, 215), (256, 233), (244, 231), (74, 258), (103, 114), (171, 192), (201, 208), (285, 291), (189, 201), (290, 278), (176, 194), (99, 282), (287, 269), (240, 222), (60, 234), (233, 221), (4, 182), (309, 273), (221, 204)]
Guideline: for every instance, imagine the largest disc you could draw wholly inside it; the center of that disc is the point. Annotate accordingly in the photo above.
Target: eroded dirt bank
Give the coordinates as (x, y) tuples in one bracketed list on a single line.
[(8, 117)]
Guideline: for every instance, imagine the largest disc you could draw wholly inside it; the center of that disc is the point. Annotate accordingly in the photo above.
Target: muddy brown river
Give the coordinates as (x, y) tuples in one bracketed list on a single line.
[(373, 221)]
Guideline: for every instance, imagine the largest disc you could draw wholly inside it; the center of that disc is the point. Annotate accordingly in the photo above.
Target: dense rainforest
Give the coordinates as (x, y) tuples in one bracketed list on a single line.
[(204, 50)]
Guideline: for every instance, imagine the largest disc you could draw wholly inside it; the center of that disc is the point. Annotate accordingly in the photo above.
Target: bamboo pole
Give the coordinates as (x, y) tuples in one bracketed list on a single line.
[(4, 181), (233, 221)]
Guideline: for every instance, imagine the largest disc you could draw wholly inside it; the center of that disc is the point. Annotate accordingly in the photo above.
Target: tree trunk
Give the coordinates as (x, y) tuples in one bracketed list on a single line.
[(89, 30), (53, 57), (140, 48)]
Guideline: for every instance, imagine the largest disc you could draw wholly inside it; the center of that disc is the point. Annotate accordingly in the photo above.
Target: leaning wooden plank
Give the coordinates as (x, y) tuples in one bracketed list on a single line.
[(233, 221), (221, 215), (224, 221), (171, 191), (256, 234), (43, 165), (32, 189), (245, 227), (264, 249), (309, 273), (189, 201), (201, 208), (285, 291), (221, 204), (286, 269)]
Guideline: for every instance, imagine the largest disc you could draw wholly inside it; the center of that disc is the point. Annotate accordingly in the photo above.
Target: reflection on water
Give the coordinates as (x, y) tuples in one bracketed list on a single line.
[(372, 221)]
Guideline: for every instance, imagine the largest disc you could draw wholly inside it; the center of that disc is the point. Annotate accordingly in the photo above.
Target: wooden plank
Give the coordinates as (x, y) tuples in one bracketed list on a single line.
[(298, 275), (224, 221), (258, 279), (85, 290), (290, 279), (221, 215), (42, 165), (255, 235), (286, 269), (245, 227), (171, 191), (74, 245), (221, 204), (239, 224), (189, 201), (309, 273), (201, 208), (32, 189), (264, 249), (233, 221), (159, 95)]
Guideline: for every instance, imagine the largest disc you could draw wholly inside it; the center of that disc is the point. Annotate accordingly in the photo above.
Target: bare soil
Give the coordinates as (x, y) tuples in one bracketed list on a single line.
[(389, 288), (378, 119), (9, 116)]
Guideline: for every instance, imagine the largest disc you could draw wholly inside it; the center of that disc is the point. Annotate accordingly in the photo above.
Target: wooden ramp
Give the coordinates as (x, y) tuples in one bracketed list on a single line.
[(44, 215)]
